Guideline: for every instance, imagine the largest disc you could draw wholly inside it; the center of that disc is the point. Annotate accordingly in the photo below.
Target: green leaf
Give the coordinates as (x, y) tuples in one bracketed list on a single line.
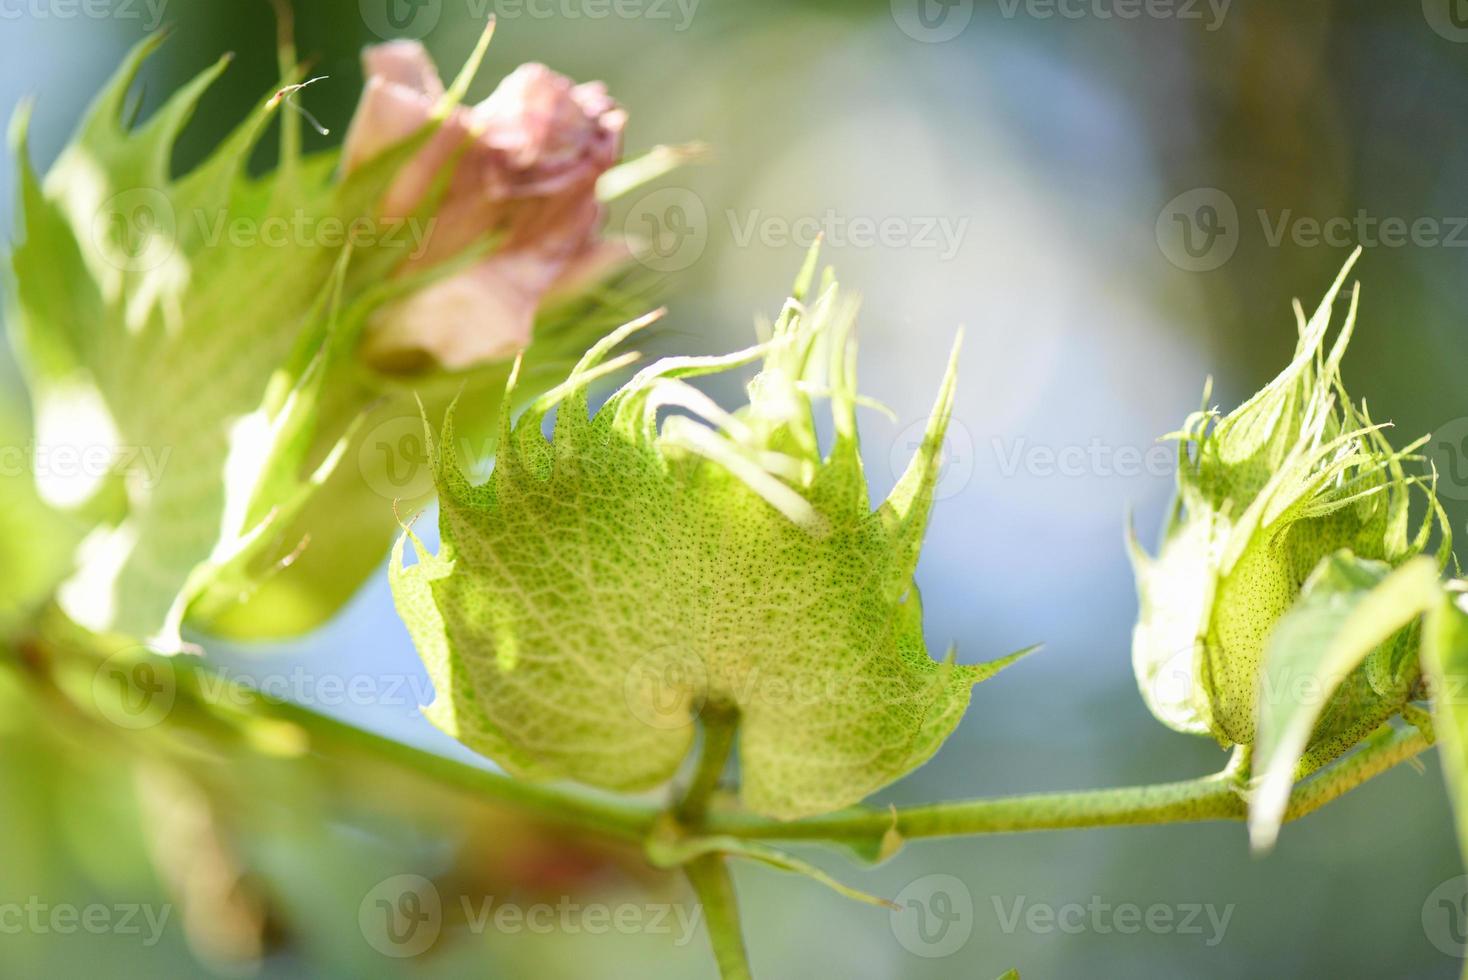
[(200, 329), (317, 561), (36, 542), (1445, 661), (1351, 608), (607, 582), (194, 354)]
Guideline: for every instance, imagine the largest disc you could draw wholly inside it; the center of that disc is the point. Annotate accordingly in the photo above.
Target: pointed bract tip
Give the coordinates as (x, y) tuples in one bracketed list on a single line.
[(20, 122), (465, 78), (1262, 837), (807, 273)]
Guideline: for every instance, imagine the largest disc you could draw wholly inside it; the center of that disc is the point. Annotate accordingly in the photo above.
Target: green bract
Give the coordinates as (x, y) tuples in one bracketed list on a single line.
[(196, 362), (189, 342), (607, 583), (1265, 494)]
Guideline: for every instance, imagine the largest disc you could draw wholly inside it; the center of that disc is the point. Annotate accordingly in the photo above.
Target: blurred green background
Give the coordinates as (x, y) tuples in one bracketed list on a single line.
[(1115, 201)]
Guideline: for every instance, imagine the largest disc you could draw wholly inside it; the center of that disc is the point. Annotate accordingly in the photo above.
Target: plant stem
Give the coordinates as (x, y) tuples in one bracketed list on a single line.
[(1378, 754), (720, 721), (1216, 797), (709, 873), (206, 704), (709, 876)]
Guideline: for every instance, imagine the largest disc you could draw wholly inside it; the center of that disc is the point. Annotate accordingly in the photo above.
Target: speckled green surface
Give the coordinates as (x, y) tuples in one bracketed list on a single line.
[(605, 583), (1266, 493)]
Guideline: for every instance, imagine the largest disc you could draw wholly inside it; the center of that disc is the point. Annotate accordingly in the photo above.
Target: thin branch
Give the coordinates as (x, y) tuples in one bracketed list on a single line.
[(1216, 797), (709, 876), (720, 722)]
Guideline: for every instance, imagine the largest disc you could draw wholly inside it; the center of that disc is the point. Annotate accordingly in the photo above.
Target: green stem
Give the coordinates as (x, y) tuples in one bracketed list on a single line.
[(709, 876), (198, 706), (1216, 797), (1378, 754), (720, 722)]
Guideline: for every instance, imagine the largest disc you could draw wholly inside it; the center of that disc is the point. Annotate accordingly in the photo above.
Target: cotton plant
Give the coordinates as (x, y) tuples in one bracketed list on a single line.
[(635, 571), (221, 365), (1266, 493), (634, 595), (1281, 614)]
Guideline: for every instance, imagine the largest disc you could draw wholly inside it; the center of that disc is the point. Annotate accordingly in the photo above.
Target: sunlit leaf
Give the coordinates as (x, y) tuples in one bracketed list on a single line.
[(1350, 608), (606, 583)]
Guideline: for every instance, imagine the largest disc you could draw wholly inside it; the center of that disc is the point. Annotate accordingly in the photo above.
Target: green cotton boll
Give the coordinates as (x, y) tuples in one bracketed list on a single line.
[(608, 583), (1265, 495)]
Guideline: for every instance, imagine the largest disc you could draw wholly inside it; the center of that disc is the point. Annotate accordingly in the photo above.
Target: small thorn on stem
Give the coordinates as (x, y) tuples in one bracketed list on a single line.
[(286, 95)]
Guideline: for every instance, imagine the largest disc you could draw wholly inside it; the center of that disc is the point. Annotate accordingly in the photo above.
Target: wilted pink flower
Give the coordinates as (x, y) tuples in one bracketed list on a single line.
[(526, 161)]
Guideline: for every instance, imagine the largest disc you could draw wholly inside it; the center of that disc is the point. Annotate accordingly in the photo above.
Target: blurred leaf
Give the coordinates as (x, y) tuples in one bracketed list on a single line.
[(36, 541), (192, 355), (1445, 659), (1348, 608)]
